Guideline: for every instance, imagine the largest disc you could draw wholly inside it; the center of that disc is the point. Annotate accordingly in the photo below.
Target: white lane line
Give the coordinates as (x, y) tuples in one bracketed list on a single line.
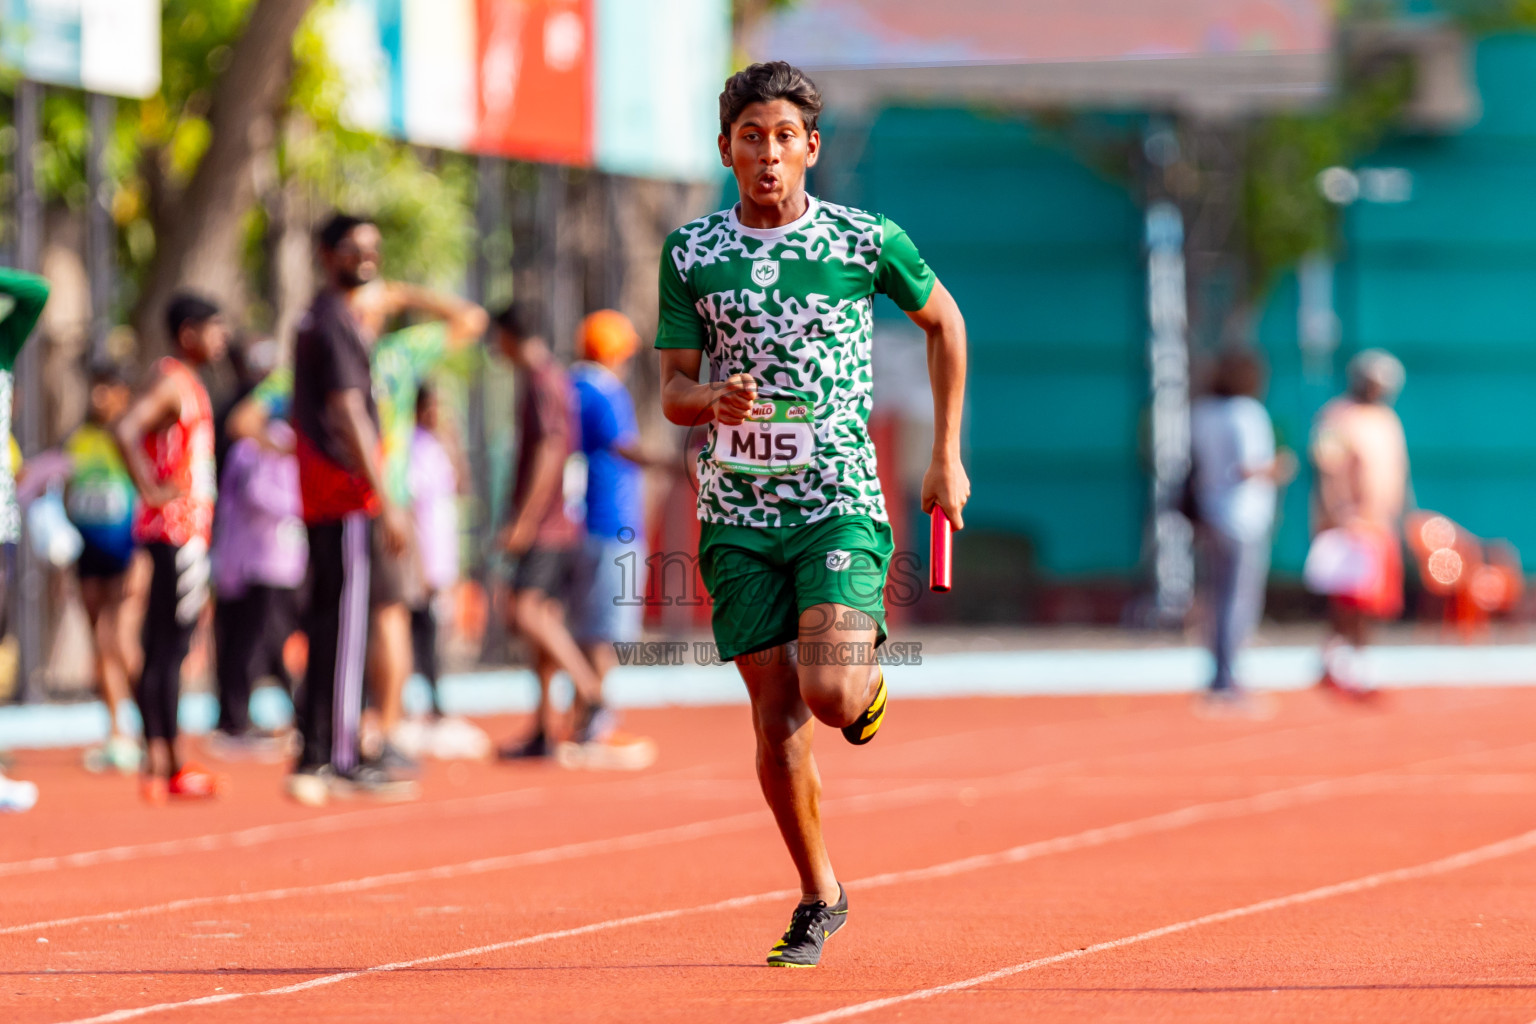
[(860, 803), (1455, 862), (260, 834), (906, 796), (1094, 837), (377, 817), (495, 947), (1030, 777)]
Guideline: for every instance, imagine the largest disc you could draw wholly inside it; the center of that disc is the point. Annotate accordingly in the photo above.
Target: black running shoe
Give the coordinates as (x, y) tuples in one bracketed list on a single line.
[(535, 746), (809, 929), (394, 761), (862, 729), (370, 779)]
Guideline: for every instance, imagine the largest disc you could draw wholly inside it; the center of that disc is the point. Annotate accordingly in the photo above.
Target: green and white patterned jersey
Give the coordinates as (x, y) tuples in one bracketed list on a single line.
[(792, 306)]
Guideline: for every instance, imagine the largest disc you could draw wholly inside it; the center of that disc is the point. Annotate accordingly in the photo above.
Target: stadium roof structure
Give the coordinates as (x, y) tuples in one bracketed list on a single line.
[(1200, 56)]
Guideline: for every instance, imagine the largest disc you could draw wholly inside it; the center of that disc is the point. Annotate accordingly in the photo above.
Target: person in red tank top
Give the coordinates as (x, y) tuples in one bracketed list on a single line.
[(167, 441)]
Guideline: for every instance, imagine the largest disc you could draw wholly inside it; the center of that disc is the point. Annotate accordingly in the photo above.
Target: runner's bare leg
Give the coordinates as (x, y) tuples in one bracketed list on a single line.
[(786, 769), (837, 688)]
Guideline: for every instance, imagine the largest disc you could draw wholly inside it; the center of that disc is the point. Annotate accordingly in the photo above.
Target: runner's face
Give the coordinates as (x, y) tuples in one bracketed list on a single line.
[(355, 260), (768, 152)]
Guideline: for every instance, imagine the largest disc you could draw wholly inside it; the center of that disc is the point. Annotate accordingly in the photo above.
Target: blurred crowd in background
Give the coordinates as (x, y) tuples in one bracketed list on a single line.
[(1200, 289)]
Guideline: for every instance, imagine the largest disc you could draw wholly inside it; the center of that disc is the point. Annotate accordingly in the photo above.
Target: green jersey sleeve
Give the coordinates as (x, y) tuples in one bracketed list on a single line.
[(901, 273), (27, 295), (680, 325)]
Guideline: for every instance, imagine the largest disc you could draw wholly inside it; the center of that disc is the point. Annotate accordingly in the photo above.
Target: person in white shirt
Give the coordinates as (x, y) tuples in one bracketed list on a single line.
[(1237, 474)]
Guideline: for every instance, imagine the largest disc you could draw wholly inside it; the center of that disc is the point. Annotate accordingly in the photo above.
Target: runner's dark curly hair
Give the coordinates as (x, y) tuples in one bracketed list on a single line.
[(762, 83)]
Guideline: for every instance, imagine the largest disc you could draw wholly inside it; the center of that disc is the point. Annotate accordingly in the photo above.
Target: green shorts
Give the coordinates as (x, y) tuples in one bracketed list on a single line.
[(763, 577)]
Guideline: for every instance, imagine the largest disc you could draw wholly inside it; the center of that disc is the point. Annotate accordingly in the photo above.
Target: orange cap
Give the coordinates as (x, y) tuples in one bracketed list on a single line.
[(607, 337)]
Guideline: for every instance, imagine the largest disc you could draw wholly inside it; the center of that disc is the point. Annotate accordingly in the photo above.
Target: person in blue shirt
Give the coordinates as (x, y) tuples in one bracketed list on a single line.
[(608, 597)]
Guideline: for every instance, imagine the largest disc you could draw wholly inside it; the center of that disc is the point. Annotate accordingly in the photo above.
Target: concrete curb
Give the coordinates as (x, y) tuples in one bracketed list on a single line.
[(988, 674)]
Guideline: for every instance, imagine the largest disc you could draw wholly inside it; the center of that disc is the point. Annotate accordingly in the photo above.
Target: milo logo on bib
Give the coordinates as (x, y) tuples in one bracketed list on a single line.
[(777, 437)]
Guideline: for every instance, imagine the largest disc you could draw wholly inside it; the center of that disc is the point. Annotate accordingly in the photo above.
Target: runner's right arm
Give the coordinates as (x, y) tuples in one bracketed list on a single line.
[(680, 341), (685, 401)]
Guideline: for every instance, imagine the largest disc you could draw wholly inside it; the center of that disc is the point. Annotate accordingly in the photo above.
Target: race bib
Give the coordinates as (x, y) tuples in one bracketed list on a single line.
[(779, 437)]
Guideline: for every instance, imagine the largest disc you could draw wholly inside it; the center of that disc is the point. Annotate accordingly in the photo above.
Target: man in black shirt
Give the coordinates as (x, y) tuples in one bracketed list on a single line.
[(341, 481)]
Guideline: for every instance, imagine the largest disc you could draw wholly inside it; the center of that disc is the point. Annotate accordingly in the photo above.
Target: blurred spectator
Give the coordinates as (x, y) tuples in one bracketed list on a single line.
[(22, 298), (166, 439), (349, 515), (434, 483), (253, 361), (1237, 471), (259, 556), (611, 569), (101, 502), (1362, 490), (399, 362), (541, 536)]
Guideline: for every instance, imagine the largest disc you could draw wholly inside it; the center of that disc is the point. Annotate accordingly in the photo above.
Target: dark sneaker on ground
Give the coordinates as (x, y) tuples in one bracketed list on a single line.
[(534, 746), (372, 780), (809, 929), (394, 761), (597, 722), (862, 729)]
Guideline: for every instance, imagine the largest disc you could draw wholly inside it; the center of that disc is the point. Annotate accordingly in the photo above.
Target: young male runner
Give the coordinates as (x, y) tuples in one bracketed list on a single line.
[(795, 543), (348, 514), (166, 439)]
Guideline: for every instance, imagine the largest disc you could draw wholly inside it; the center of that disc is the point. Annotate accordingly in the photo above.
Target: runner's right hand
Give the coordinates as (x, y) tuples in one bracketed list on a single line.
[(737, 399)]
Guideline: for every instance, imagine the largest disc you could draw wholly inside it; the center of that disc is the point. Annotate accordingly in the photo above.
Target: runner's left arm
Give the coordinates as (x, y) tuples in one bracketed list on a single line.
[(945, 484), (902, 274)]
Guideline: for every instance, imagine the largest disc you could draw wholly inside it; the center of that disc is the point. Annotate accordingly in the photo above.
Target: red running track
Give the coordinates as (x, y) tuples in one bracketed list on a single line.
[(1048, 859)]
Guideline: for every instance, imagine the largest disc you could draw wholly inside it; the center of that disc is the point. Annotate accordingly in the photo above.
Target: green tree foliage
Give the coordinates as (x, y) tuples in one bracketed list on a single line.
[(423, 199), (1286, 213)]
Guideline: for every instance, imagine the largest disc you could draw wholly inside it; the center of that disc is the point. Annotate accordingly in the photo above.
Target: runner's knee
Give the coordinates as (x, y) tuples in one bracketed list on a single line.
[(834, 693)]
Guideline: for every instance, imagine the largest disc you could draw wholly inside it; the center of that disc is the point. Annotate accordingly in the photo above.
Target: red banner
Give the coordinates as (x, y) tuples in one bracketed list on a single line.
[(536, 80)]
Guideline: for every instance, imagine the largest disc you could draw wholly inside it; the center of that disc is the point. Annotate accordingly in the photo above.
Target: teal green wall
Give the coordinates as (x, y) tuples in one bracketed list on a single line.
[(1447, 282), (1044, 257)]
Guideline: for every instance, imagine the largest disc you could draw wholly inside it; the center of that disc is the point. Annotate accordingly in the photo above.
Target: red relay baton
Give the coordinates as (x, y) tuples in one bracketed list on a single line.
[(939, 545)]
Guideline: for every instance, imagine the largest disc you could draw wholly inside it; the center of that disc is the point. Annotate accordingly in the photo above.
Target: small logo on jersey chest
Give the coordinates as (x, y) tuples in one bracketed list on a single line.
[(839, 560), (765, 272)]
